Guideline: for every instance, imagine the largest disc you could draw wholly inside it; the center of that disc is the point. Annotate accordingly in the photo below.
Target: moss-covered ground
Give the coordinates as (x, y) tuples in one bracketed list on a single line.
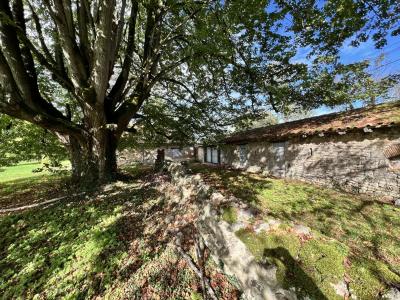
[(110, 243), (354, 239)]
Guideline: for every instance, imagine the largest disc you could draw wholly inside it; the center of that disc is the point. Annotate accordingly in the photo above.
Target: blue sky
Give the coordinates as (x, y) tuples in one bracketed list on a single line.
[(389, 65)]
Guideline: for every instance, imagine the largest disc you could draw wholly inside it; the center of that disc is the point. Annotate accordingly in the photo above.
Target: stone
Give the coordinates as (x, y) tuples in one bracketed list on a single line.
[(232, 199), (217, 198), (169, 219), (256, 281), (202, 192), (177, 170), (341, 289), (237, 226), (274, 224), (282, 294), (301, 229), (254, 169), (262, 227), (245, 215), (108, 187), (397, 202), (392, 294), (206, 211), (266, 172)]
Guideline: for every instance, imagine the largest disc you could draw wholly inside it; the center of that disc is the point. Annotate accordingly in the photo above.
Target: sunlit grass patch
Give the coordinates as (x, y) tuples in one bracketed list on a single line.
[(310, 267), (357, 235), (25, 171)]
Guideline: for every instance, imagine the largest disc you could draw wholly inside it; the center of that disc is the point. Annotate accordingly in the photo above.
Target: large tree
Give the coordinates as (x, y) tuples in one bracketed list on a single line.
[(200, 63)]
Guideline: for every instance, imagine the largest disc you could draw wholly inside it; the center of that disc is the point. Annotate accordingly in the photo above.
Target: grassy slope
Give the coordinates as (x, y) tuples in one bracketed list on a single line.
[(353, 237), (103, 245), (23, 171)]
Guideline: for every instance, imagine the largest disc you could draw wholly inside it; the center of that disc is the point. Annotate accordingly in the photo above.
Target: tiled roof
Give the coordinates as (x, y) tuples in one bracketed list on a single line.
[(383, 115)]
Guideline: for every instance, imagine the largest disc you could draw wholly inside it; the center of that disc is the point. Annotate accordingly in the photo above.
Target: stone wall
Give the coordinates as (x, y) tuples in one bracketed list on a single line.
[(148, 156), (257, 281), (179, 154), (145, 156), (354, 162)]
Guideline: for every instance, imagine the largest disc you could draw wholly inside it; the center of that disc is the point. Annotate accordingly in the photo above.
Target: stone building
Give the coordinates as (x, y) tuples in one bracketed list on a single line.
[(148, 155), (356, 151)]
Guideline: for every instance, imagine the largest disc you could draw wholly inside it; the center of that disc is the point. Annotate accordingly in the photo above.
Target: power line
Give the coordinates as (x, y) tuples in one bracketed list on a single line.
[(384, 52), (384, 65)]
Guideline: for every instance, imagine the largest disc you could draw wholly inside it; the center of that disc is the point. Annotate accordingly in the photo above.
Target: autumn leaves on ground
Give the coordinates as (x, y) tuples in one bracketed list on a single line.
[(117, 242), (113, 243)]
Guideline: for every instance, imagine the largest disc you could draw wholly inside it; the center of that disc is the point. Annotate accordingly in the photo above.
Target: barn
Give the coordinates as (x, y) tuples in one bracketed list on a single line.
[(356, 150)]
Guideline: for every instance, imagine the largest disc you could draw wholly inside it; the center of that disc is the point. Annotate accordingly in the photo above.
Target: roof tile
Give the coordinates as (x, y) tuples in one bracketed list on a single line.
[(382, 115)]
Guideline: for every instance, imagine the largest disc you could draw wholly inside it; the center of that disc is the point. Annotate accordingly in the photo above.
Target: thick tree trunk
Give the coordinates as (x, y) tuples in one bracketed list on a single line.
[(94, 160), (107, 157)]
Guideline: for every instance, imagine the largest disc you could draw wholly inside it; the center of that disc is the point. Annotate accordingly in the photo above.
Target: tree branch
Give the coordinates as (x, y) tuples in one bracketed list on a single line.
[(40, 34), (102, 65), (64, 22), (117, 90)]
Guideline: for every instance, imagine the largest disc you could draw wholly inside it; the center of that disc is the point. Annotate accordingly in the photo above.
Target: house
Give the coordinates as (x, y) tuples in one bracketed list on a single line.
[(148, 155), (356, 150), (208, 154)]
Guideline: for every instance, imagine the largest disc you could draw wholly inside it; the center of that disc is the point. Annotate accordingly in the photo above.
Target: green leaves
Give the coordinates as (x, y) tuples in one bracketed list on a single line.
[(22, 141), (189, 70), (331, 22)]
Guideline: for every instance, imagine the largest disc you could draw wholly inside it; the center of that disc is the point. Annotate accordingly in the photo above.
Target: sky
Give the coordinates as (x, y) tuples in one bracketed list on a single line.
[(348, 54)]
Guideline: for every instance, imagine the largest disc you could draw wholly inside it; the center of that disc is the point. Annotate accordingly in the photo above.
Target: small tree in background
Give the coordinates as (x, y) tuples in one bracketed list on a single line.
[(23, 141)]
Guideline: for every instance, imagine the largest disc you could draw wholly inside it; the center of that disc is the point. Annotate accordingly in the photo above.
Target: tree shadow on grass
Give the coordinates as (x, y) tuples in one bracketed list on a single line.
[(70, 249), (94, 245), (239, 184), (294, 275), (31, 190)]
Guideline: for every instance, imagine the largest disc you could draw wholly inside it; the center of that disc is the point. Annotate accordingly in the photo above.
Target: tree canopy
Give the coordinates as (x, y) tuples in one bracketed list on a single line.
[(176, 69)]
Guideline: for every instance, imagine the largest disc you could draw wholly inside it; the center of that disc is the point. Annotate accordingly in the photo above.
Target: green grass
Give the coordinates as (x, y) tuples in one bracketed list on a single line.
[(23, 171), (353, 236), (229, 214), (106, 245), (67, 251), (308, 266)]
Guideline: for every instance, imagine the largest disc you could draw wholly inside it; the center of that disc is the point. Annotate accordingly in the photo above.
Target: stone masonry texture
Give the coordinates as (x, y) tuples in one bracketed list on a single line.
[(353, 162)]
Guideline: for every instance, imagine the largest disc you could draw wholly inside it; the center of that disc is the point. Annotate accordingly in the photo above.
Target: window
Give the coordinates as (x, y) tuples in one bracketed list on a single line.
[(209, 153), (212, 155), (242, 154)]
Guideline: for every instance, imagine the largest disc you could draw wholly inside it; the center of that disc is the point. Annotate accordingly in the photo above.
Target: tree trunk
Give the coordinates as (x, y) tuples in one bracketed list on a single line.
[(107, 156), (94, 160)]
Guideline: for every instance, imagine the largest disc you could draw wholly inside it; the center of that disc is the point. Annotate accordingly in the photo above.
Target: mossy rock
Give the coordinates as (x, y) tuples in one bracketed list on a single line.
[(230, 214)]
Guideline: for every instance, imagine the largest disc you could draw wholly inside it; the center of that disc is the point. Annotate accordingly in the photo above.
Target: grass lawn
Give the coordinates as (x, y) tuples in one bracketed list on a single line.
[(112, 243), (353, 239), (23, 171)]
